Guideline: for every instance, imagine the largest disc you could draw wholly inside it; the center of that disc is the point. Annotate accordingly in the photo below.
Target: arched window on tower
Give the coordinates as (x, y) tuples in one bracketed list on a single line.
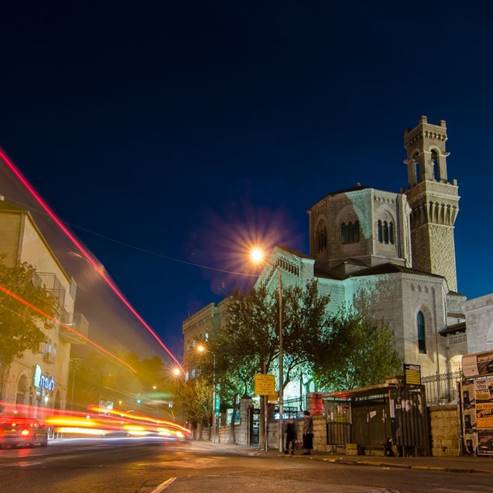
[(385, 232), (321, 236), (350, 232), (355, 232), (421, 327), (435, 165), (391, 233), (344, 233), (417, 167), (380, 231)]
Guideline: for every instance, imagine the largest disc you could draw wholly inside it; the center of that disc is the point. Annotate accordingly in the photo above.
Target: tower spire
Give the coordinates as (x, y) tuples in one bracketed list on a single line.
[(434, 201)]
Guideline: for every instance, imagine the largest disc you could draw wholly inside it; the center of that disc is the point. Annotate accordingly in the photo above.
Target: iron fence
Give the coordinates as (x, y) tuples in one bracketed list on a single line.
[(441, 389)]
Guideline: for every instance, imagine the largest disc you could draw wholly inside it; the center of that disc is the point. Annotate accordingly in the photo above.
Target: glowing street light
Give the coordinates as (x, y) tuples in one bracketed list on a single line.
[(257, 257), (201, 349), (176, 371), (154, 387)]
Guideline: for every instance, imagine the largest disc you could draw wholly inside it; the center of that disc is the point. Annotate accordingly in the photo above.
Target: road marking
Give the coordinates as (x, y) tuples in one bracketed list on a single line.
[(163, 485)]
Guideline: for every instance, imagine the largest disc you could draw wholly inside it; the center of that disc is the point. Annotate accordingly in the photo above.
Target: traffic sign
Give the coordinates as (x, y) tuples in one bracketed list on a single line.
[(265, 384)]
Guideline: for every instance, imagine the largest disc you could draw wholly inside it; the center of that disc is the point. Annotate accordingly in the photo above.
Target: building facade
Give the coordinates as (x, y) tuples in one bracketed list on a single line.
[(396, 249), (38, 378)]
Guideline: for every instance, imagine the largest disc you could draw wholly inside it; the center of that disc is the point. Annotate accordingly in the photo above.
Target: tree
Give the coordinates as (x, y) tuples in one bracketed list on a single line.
[(362, 352), (194, 401), (95, 377), (20, 326), (248, 341)]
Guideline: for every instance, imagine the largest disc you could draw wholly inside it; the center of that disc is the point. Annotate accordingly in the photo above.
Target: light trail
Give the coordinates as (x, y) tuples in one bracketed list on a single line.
[(35, 309), (87, 255), (100, 422)]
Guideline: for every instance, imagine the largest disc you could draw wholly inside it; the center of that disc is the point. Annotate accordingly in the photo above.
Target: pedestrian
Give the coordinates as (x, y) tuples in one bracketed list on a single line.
[(307, 433), (290, 437)]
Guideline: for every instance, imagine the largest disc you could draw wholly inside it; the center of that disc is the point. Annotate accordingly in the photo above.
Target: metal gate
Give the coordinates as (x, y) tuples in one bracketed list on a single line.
[(338, 412)]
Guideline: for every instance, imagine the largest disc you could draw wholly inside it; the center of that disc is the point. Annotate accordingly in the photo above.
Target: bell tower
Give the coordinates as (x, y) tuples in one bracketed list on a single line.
[(434, 200)]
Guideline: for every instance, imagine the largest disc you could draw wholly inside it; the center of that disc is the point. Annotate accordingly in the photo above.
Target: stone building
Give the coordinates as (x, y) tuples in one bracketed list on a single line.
[(197, 327), (38, 378), (395, 247), (479, 320)]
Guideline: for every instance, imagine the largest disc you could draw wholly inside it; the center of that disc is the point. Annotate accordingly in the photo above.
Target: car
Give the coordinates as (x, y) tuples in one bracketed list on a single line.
[(17, 431)]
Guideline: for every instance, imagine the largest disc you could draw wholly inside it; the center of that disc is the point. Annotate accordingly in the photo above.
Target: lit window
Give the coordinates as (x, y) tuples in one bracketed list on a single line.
[(420, 322)]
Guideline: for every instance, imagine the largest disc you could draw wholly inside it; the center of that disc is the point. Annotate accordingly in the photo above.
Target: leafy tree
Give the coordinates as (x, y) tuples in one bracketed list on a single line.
[(194, 401), (20, 326), (362, 352), (95, 377), (248, 341)]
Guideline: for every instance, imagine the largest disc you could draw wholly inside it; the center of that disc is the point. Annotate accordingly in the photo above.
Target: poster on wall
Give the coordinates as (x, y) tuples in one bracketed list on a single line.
[(485, 443), (484, 402), (470, 365), (485, 363)]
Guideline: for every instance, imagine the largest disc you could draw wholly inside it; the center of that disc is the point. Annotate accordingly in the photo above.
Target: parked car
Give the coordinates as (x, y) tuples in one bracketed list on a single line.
[(16, 431)]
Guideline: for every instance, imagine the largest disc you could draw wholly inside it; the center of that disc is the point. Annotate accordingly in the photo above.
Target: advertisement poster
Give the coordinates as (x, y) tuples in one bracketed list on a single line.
[(484, 402), (470, 365), (485, 443), (485, 364)]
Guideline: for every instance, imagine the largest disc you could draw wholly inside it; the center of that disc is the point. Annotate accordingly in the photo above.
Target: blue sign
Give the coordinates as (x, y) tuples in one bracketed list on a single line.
[(41, 381)]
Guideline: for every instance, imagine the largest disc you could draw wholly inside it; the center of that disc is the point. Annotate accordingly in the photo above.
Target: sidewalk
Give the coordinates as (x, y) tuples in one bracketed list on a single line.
[(448, 464), (483, 465)]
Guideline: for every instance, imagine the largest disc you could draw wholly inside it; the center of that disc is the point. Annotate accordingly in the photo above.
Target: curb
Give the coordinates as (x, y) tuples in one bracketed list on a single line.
[(408, 466), (350, 462)]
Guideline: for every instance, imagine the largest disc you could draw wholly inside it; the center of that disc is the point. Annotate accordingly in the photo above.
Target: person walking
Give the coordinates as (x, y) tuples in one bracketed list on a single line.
[(307, 433), (290, 437)]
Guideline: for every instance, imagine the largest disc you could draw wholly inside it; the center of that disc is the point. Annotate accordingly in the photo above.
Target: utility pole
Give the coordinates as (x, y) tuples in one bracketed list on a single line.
[(280, 364)]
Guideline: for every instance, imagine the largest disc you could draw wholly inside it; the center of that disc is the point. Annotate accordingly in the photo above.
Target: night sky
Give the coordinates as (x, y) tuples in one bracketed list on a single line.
[(175, 128)]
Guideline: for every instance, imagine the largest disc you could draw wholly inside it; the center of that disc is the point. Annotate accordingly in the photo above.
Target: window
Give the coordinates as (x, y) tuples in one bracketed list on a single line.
[(386, 232), (391, 232), (420, 322), (417, 167), (321, 236), (350, 232), (435, 165)]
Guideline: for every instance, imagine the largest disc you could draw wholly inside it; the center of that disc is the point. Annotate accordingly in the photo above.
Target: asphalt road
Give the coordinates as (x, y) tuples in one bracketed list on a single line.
[(145, 466)]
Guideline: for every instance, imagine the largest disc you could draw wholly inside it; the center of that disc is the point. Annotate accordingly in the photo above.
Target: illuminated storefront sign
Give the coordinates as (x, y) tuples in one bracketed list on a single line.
[(41, 381)]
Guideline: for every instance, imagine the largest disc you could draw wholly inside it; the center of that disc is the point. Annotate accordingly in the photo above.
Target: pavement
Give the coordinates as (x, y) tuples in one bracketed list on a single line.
[(152, 466), (461, 465)]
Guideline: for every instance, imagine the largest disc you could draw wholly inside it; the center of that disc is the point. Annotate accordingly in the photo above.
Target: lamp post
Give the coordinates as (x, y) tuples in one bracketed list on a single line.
[(257, 256), (201, 349)]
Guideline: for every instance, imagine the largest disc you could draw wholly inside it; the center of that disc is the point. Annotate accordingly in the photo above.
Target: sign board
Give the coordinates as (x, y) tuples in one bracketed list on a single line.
[(412, 374), (41, 381), (265, 384)]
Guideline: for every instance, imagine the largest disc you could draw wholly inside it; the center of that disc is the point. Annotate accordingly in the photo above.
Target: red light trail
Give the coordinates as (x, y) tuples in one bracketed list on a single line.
[(86, 254), (35, 309)]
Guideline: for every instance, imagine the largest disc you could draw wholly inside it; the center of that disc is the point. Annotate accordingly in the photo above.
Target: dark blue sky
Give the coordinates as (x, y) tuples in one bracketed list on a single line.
[(169, 127)]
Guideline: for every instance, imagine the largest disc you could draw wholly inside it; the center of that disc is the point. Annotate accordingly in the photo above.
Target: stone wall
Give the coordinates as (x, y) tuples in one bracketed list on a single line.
[(444, 430), (319, 433)]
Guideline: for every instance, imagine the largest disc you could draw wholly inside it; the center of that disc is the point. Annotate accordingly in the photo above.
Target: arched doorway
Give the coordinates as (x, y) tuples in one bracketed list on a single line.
[(22, 390), (57, 400)]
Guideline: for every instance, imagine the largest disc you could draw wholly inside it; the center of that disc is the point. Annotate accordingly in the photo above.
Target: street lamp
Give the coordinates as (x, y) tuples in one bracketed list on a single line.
[(201, 349), (176, 371), (257, 257)]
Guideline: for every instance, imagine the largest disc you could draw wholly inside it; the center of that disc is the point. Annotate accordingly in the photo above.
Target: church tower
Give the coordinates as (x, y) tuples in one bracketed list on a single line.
[(434, 201)]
